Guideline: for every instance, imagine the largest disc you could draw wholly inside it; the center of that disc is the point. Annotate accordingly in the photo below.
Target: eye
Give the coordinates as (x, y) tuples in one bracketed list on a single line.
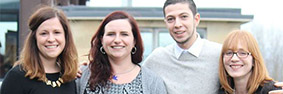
[(43, 33), (170, 19), (110, 34), (58, 32), (184, 16), (125, 34), (228, 53), (242, 53)]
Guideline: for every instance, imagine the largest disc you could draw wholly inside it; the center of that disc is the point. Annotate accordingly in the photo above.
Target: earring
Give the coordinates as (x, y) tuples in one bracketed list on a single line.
[(101, 50), (135, 50)]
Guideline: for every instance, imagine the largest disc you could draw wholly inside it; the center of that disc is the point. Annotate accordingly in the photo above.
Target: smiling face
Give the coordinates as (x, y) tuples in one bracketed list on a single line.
[(181, 22), (238, 67), (50, 37), (118, 39)]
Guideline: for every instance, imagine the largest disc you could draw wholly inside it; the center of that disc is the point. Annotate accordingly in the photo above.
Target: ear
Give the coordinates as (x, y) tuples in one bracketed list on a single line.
[(135, 42), (101, 38), (197, 19)]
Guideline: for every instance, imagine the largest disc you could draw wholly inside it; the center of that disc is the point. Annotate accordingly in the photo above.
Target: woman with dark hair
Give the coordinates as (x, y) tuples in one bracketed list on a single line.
[(115, 54), (48, 62), (241, 66)]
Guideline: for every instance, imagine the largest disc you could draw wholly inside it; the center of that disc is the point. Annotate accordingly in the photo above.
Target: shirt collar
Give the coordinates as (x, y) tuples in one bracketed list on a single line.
[(195, 49)]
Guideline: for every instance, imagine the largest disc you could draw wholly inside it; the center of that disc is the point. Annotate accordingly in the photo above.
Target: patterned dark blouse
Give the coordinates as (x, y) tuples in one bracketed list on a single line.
[(135, 87)]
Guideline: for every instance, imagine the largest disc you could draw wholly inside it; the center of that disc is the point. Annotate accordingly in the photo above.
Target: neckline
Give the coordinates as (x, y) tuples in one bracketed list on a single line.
[(136, 78)]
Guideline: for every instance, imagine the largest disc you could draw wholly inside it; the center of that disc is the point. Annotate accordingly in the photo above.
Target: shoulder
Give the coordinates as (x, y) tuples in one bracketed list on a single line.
[(211, 48), (13, 81), (212, 44), (161, 52), (148, 73), (150, 76), (221, 90), (16, 71), (152, 83), (268, 86)]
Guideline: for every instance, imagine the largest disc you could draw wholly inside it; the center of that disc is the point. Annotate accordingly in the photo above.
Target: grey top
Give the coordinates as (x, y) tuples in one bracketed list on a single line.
[(151, 82), (188, 74), (134, 87)]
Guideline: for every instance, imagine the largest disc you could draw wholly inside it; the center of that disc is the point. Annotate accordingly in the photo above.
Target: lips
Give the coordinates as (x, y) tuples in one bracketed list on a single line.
[(117, 47), (51, 46), (236, 66), (179, 33)]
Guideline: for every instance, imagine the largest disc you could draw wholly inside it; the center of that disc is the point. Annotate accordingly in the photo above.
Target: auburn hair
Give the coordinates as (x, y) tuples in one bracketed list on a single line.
[(259, 73)]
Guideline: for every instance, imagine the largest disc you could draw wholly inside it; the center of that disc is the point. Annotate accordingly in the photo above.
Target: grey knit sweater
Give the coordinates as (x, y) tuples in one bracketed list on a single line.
[(151, 82), (192, 75)]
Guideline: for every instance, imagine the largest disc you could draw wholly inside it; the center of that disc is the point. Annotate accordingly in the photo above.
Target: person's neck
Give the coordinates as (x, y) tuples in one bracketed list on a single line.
[(122, 65), (241, 84), (50, 65), (189, 43)]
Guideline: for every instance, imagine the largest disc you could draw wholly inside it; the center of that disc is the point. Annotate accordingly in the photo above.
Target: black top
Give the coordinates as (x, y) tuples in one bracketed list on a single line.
[(15, 82), (269, 86)]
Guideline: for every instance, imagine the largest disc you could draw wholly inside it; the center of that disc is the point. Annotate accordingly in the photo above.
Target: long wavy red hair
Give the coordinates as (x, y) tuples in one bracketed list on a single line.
[(259, 72)]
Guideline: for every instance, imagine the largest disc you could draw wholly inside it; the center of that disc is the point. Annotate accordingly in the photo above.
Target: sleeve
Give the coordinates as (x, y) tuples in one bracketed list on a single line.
[(153, 84), (269, 87), (159, 86), (12, 83), (82, 81)]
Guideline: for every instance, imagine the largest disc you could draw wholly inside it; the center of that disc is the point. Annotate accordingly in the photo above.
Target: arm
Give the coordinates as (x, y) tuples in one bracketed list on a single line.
[(160, 86), (278, 84)]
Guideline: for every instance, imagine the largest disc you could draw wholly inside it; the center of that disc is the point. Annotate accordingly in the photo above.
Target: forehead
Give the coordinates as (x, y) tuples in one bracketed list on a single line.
[(52, 23), (237, 44), (120, 24), (176, 9)]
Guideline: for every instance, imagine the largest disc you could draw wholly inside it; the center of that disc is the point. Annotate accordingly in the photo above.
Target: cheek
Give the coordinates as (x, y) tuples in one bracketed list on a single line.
[(225, 61)]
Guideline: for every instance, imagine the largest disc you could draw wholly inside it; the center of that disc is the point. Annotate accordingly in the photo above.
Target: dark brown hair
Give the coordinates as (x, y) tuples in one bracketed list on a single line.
[(30, 60), (191, 5), (99, 64)]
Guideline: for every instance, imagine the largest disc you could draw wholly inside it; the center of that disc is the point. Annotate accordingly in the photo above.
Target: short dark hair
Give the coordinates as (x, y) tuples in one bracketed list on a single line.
[(191, 4)]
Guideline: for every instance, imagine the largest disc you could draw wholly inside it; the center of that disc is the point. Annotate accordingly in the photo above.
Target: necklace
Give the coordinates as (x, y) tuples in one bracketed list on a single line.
[(54, 84), (115, 77)]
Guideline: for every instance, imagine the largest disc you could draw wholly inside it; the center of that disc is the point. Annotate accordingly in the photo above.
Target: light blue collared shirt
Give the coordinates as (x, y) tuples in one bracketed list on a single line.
[(195, 49)]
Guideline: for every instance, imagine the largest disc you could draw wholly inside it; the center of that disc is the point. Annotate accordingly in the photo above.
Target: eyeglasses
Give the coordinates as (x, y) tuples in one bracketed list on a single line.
[(240, 54)]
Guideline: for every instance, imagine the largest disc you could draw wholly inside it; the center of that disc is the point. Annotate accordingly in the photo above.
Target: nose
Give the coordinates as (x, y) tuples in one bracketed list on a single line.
[(235, 57), (178, 23), (117, 39), (51, 38)]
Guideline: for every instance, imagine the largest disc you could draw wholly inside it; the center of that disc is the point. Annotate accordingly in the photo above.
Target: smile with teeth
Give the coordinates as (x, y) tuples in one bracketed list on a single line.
[(51, 46), (179, 32), (117, 47), (236, 66)]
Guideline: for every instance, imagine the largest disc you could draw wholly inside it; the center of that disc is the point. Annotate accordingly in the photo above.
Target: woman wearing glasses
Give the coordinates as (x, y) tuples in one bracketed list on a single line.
[(241, 66)]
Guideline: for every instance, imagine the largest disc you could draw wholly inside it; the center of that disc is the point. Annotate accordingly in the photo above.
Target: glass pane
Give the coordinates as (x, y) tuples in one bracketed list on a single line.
[(164, 38), (202, 32), (147, 41)]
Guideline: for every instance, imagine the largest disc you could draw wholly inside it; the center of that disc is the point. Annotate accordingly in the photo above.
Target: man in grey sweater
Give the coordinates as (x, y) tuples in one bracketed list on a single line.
[(189, 66)]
